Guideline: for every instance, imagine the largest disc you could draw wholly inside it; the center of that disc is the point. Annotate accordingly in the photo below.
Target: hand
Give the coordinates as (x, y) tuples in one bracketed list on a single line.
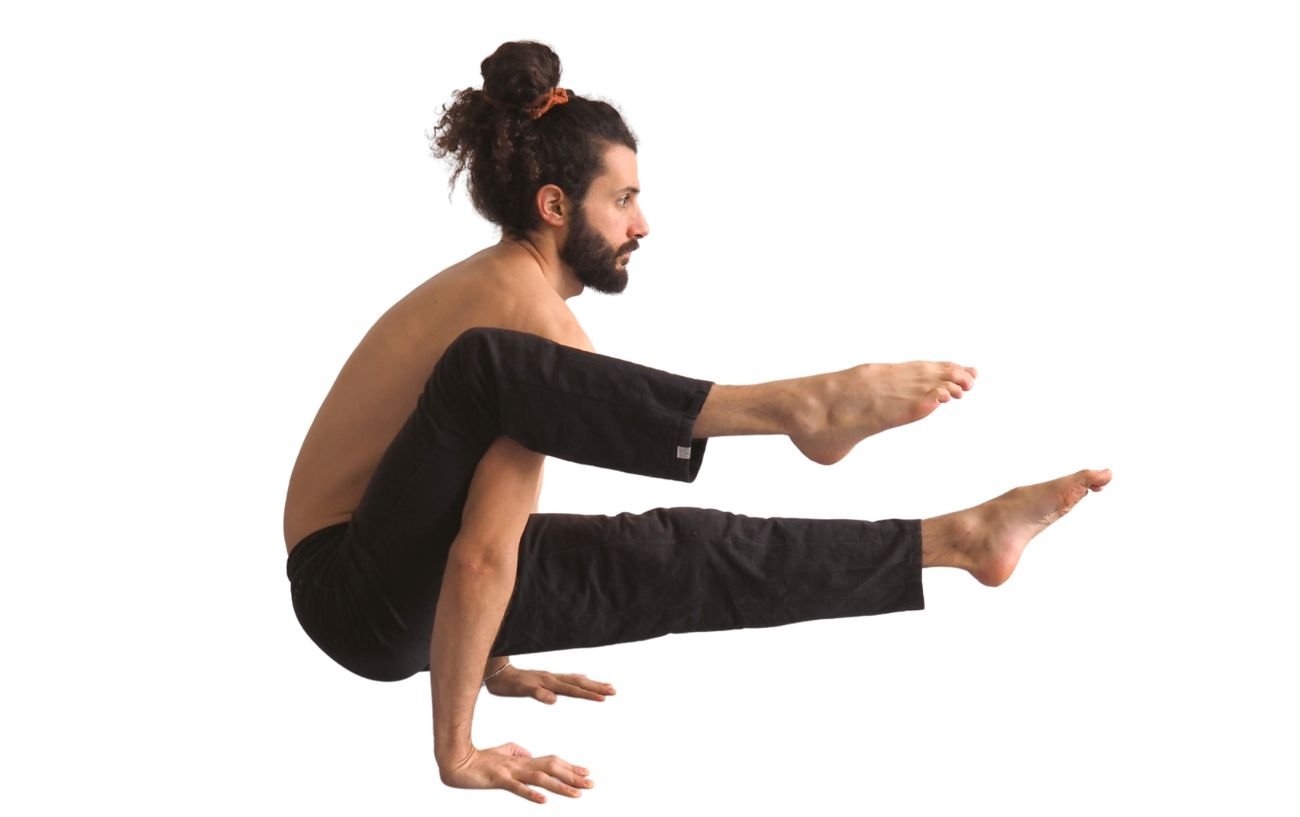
[(513, 682), (512, 767)]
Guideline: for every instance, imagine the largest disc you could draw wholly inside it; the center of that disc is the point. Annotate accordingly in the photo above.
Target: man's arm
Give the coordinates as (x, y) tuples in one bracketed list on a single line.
[(480, 574), (476, 589), (497, 663)]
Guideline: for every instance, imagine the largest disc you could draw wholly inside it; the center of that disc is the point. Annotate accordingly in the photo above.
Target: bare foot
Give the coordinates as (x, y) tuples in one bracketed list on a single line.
[(846, 407), (987, 540)]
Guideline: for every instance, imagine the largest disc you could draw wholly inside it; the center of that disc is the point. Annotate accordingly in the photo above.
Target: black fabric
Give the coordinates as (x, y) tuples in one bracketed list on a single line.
[(366, 590)]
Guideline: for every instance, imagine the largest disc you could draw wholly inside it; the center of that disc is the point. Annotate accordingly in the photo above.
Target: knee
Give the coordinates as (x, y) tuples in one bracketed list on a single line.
[(471, 344), (463, 381), (486, 347), (470, 353)]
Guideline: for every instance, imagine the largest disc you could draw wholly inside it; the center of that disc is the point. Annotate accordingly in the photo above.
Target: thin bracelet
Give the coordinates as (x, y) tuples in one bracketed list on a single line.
[(496, 672)]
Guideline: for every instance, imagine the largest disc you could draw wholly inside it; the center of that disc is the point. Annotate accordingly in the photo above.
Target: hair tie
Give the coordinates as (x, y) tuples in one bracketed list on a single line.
[(556, 96), (543, 103)]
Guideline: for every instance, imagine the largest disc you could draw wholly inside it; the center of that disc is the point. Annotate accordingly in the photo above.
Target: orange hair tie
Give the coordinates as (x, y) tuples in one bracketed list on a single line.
[(543, 103), (556, 96)]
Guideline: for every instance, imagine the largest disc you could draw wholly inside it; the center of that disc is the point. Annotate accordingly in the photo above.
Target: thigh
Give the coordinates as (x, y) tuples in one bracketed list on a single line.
[(587, 580), (421, 480), (411, 512)]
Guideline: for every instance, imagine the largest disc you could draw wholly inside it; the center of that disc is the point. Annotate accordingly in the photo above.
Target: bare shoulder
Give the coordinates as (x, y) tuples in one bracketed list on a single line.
[(556, 322), (491, 288), (524, 301)]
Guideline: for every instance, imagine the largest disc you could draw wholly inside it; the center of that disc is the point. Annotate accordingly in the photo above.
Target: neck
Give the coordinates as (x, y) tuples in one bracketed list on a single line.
[(546, 254)]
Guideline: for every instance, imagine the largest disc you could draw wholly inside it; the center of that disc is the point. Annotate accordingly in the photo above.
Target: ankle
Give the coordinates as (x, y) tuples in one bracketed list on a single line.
[(762, 408), (797, 409), (945, 540)]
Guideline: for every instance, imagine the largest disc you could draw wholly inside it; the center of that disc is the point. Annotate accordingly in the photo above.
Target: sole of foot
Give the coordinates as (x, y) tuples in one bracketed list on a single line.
[(849, 406), (1001, 528)]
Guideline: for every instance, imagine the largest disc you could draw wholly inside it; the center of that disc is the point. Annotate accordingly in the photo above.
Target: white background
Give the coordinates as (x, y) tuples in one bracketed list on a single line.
[(205, 207)]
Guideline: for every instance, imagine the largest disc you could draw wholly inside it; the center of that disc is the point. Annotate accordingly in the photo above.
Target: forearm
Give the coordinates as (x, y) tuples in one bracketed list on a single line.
[(470, 608)]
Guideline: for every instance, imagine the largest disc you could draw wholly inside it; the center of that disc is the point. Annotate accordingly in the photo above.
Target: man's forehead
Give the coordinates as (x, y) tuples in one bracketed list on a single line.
[(617, 185), (620, 173)]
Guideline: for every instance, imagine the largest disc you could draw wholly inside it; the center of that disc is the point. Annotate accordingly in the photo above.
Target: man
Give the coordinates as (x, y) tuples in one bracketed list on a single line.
[(411, 515)]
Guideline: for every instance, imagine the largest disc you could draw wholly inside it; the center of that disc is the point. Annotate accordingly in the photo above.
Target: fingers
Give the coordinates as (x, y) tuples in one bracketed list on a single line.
[(544, 695), (581, 680), (521, 789), (547, 695), (580, 686), (517, 772), (553, 774), (545, 686), (561, 777)]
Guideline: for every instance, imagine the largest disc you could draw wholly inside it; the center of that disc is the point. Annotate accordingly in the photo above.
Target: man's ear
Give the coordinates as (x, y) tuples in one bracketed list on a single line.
[(552, 205)]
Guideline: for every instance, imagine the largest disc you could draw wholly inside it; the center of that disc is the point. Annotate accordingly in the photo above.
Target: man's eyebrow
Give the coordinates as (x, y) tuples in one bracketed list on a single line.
[(629, 189)]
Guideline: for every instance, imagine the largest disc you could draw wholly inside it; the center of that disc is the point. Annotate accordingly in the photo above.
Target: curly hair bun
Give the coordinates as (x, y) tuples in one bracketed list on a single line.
[(519, 72), (505, 138)]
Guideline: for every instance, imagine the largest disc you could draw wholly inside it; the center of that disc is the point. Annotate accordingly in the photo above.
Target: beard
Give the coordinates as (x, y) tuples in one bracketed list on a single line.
[(592, 259)]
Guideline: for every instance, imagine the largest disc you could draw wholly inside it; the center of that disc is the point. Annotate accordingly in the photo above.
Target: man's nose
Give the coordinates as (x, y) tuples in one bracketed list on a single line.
[(640, 228)]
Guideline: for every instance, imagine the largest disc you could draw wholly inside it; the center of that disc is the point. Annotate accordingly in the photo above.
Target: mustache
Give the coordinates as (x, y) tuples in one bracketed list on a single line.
[(629, 247)]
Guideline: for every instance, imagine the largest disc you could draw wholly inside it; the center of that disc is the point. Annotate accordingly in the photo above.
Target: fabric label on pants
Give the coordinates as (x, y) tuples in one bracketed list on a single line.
[(683, 452)]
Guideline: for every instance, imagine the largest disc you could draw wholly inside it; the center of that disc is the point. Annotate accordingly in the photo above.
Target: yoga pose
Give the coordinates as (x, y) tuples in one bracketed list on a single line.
[(411, 516)]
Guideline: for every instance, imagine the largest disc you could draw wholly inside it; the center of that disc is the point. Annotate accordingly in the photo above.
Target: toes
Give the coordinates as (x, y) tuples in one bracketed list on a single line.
[(1067, 496), (959, 375), (1097, 479)]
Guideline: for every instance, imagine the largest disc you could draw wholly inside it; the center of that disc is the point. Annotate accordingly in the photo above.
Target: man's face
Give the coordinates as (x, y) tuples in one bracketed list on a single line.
[(603, 231)]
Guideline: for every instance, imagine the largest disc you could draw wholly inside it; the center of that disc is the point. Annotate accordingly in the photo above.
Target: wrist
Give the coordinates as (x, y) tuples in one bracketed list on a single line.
[(452, 754), (496, 670)]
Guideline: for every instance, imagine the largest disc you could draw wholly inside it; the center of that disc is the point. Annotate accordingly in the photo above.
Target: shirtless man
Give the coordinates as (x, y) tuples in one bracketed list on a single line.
[(560, 237)]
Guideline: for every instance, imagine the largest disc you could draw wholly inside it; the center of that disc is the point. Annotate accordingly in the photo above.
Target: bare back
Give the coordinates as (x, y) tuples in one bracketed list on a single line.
[(381, 381)]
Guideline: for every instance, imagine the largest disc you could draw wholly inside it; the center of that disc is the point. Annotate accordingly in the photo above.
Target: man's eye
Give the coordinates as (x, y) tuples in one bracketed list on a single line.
[(623, 201)]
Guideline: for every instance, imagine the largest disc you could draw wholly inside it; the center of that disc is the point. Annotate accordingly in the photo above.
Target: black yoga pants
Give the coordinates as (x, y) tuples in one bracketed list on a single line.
[(365, 591)]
